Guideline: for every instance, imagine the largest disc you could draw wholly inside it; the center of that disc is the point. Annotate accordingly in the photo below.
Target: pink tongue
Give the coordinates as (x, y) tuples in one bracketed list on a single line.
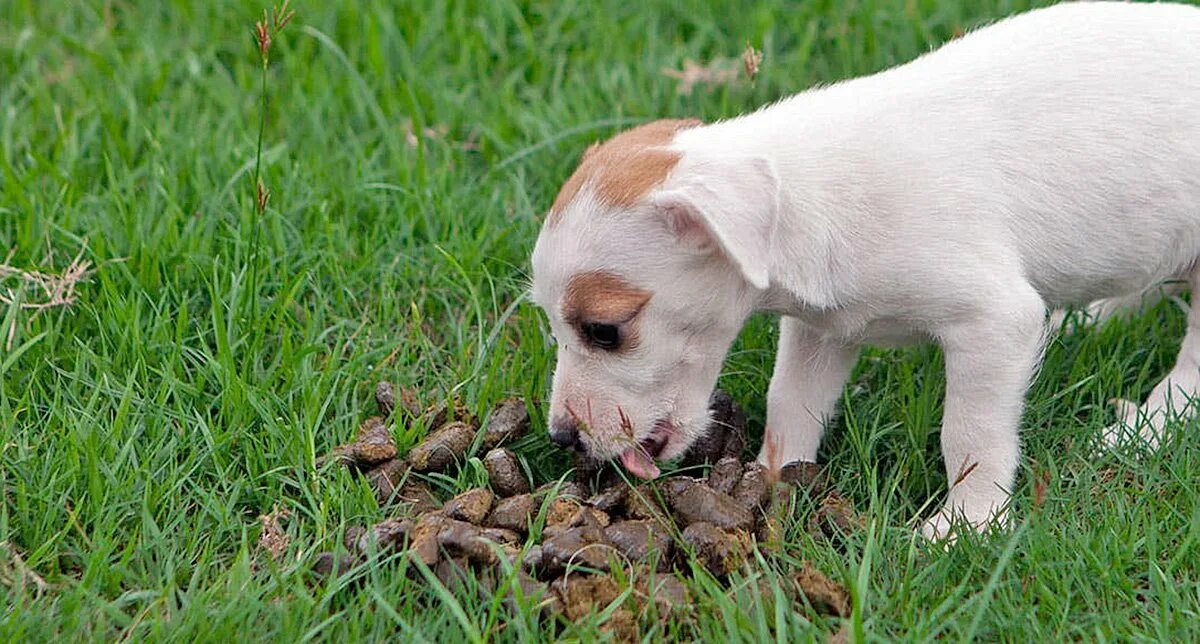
[(639, 464)]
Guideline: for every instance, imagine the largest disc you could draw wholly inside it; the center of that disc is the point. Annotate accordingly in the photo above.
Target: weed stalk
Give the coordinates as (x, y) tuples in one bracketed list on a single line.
[(265, 30)]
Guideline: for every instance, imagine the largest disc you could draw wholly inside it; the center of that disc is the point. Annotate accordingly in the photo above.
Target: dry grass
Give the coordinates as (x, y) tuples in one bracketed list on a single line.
[(35, 290), (50, 289), (16, 574)]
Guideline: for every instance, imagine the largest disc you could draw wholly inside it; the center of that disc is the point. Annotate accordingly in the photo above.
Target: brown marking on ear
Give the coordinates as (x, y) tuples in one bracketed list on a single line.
[(606, 298), (625, 167)]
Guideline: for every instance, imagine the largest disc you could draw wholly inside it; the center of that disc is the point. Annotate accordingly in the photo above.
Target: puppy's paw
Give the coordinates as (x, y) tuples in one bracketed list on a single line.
[(978, 517), (1125, 429), (938, 528)]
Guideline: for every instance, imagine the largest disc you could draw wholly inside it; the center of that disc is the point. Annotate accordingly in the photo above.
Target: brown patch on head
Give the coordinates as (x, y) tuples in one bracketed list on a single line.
[(602, 297), (625, 167)]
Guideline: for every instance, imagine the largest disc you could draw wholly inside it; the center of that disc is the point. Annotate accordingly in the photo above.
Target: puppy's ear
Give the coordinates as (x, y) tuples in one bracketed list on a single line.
[(729, 206)]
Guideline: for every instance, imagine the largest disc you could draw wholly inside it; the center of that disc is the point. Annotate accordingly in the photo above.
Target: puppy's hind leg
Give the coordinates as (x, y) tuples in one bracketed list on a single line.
[(1176, 397), (1121, 306)]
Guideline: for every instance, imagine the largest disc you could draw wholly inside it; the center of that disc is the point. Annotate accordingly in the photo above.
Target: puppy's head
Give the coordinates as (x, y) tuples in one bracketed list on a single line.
[(650, 259)]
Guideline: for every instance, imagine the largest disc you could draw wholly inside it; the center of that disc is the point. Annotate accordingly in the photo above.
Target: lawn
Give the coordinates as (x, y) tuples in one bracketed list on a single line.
[(212, 353)]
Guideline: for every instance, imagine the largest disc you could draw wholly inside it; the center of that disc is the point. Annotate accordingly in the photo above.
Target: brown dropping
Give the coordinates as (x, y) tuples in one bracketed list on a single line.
[(583, 546), (668, 593), (771, 525), (806, 476), (372, 445), (444, 447), (579, 515), (596, 476), (328, 564), (673, 486), (423, 539), (510, 553), (417, 497), (466, 540), (410, 403), (501, 536), (582, 595), (454, 573), (561, 511), (385, 398), (646, 501), (532, 588), (388, 534), (622, 625), (471, 506), (726, 434), (719, 551), (508, 422), (825, 595), (351, 536), (752, 490), (536, 593), (835, 516), (725, 475), (534, 558), (565, 489), (505, 473), (385, 478), (640, 540), (513, 513), (374, 442), (700, 503), (586, 515), (610, 501), (443, 412)]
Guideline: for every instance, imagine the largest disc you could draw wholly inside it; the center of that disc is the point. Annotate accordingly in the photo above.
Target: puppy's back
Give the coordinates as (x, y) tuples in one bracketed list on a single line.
[(1069, 135)]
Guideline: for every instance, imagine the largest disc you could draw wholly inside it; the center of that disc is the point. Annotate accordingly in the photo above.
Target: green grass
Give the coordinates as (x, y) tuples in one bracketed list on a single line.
[(144, 429)]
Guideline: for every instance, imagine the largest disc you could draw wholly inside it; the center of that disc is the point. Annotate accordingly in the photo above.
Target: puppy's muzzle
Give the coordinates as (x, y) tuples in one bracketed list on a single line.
[(564, 432)]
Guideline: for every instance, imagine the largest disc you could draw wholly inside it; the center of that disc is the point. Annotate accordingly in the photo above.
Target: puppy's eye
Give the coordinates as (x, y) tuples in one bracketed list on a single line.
[(602, 336)]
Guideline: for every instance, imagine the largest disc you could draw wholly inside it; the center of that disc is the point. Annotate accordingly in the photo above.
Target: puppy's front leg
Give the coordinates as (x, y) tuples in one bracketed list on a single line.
[(809, 375), (990, 358)]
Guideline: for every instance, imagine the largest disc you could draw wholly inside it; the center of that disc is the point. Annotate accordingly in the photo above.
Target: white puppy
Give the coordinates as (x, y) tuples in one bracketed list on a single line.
[(1051, 159)]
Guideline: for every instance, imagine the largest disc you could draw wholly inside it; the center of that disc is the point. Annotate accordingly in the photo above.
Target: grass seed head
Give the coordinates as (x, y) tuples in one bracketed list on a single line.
[(751, 61), (262, 33), (262, 194)]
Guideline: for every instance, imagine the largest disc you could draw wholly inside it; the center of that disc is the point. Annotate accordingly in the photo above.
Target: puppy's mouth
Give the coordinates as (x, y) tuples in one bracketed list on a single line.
[(639, 459)]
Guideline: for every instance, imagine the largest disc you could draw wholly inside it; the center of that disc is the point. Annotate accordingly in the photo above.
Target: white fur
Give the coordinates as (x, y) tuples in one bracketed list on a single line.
[(1049, 160)]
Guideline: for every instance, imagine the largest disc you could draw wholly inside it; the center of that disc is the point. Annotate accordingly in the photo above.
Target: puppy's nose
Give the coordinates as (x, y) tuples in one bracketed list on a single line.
[(564, 432)]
